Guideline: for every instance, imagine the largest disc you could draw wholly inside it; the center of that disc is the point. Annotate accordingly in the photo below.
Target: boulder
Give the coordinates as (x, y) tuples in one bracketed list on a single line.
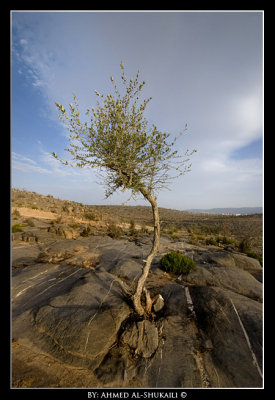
[(70, 252), (228, 259), (71, 313), (232, 278), (128, 269), (28, 236), (63, 231), (158, 303)]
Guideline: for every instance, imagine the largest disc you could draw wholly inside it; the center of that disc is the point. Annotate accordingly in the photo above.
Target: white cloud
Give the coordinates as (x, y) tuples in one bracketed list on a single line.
[(23, 42), (249, 115), (25, 164), (51, 166), (21, 158)]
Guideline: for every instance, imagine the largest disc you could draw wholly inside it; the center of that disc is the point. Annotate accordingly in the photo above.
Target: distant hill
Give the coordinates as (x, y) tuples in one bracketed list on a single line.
[(230, 210)]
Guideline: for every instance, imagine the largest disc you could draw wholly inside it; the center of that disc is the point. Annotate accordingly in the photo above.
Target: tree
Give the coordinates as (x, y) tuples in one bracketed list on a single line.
[(127, 152)]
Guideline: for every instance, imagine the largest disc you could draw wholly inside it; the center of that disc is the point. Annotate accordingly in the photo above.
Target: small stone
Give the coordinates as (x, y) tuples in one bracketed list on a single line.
[(159, 304)]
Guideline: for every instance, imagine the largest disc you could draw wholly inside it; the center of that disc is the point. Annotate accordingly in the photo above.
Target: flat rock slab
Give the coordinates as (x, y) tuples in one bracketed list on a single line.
[(233, 323), (71, 313), (232, 278), (23, 253), (228, 259)]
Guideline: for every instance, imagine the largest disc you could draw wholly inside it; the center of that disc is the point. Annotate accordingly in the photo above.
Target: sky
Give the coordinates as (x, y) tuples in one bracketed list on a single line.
[(203, 69)]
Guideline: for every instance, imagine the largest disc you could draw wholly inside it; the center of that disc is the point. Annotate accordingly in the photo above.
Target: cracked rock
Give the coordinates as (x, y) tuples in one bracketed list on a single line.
[(143, 337)]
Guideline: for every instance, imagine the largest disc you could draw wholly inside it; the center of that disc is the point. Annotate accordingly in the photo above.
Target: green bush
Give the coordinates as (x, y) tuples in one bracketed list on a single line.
[(16, 228), (211, 241), (253, 254), (226, 240), (177, 263)]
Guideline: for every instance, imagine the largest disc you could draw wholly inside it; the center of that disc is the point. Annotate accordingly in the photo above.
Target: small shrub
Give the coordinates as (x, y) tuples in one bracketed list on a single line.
[(86, 232), (132, 227), (114, 231), (177, 263), (253, 254), (245, 245), (65, 209), (16, 213), (193, 240), (16, 228), (34, 207), (172, 231), (143, 229), (227, 240), (211, 241), (74, 226), (200, 237), (59, 219), (90, 216)]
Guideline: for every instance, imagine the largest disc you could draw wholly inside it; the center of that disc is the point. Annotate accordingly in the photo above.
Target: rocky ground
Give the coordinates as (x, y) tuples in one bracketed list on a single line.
[(73, 326)]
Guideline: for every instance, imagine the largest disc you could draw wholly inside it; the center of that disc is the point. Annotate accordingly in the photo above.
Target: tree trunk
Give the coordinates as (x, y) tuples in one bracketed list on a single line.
[(141, 282)]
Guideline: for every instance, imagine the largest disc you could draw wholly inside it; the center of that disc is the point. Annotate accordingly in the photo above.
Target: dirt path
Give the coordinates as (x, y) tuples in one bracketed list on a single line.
[(29, 212), (39, 214)]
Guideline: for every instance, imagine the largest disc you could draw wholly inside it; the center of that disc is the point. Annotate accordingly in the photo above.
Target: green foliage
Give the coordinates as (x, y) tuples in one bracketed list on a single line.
[(211, 241), (17, 228), (117, 140), (245, 245), (172, 231), (253, 254), (74, 226), (177, 263), (225, 240)]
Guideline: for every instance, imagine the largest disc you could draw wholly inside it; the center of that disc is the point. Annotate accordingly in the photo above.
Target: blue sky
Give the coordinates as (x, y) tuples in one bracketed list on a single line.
[(203, 69)]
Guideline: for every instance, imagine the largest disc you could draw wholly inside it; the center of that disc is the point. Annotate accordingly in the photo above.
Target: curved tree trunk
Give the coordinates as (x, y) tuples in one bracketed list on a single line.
[(141, 282)]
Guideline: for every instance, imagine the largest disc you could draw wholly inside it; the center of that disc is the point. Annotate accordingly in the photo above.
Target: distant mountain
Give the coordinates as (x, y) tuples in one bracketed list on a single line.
[(230, 210)]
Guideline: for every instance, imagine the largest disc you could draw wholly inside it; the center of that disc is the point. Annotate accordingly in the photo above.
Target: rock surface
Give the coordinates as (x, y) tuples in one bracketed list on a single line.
[(69, 305)]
